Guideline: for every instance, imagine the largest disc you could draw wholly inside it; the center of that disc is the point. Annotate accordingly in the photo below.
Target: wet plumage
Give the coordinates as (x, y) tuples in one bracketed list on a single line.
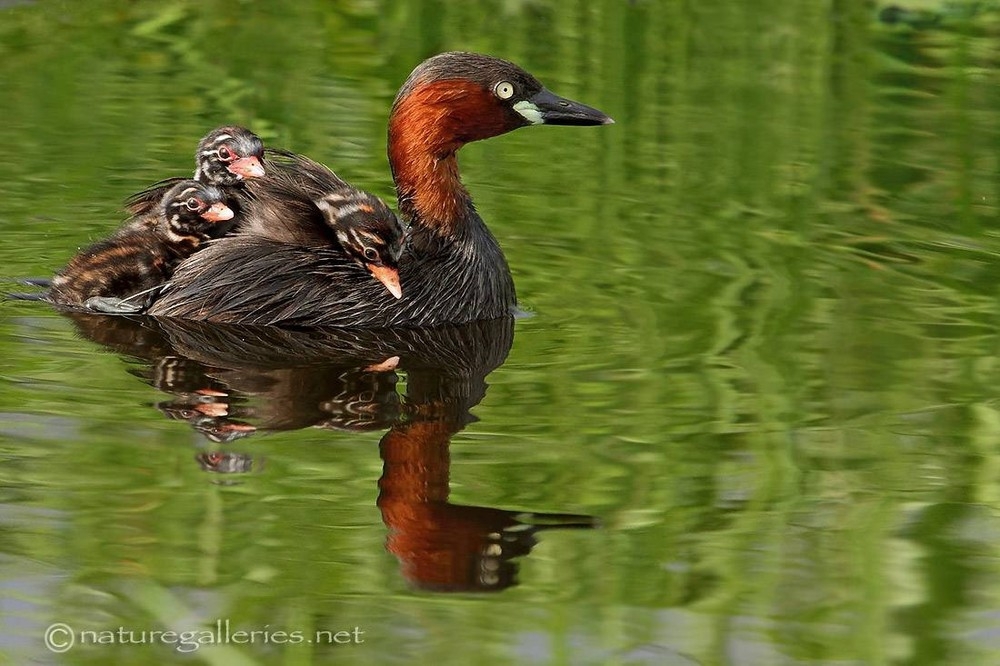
[(302, 203)]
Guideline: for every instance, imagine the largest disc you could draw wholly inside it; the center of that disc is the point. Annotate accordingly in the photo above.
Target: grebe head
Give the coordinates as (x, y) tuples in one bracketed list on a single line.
[(370, 233), (452, 99), (192, 209), (228, 155), (469, 96)]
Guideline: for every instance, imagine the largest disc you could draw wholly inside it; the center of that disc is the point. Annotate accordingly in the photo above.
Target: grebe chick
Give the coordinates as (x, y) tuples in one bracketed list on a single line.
[(304, 206), (226, 157), (115, 274), (369, 233)]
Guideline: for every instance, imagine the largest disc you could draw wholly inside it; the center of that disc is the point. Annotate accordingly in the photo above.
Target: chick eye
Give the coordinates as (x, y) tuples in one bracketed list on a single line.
[(504, 90), (193, 204), (371, 254), (225, 154)]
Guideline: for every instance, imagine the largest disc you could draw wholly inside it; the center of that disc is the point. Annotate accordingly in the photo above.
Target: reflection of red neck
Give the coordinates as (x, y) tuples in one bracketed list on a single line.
[(437, 543), (416, 466)]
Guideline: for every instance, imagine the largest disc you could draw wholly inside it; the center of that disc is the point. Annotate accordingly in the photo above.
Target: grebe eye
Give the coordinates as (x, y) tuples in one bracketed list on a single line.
[(225, 154), (504, 90), (371, 254)]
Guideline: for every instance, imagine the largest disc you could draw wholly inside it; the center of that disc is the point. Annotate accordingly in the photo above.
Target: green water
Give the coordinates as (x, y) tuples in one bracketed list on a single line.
[(762, 363)]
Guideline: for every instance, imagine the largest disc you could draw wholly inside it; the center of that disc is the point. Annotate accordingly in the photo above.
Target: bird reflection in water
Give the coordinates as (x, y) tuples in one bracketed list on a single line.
[(225, 462), (228, 382)]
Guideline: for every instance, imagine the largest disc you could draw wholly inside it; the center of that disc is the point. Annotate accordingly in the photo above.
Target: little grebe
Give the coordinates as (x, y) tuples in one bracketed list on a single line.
[(304, 205), (452, 269), (114, 274), (226, 157)]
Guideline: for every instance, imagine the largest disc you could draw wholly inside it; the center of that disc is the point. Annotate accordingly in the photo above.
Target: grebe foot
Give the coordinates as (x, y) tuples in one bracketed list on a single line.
[(112, 305)]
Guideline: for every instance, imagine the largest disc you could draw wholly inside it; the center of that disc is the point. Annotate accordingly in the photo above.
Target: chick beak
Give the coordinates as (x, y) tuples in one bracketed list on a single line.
[(218, 212), (213, 409), (389, 277), (247, 167), (237, 427), (388, 365)]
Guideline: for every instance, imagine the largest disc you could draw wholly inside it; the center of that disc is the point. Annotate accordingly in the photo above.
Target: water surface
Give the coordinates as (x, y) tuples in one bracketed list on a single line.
[(758, 392)]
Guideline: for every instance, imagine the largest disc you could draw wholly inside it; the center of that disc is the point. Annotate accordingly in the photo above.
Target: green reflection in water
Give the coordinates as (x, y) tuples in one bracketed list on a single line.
[(763, 351)]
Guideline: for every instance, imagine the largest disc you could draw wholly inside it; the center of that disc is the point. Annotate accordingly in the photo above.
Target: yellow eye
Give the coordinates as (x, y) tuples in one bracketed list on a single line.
[(504, 90)]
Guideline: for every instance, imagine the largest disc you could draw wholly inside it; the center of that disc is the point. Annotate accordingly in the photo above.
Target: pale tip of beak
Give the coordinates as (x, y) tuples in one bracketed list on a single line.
[(247, 167), (389, 277), (387, 365), (219, 212)]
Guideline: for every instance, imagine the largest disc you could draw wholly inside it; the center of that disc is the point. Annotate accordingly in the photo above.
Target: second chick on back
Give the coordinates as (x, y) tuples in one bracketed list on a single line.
[(303, 204)]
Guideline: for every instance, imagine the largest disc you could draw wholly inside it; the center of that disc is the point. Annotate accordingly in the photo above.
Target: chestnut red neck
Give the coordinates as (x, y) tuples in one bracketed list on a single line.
[(427, 127)]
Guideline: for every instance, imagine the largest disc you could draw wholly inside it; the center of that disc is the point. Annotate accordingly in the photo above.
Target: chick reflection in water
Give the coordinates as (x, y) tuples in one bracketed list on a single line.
[(229, 382)]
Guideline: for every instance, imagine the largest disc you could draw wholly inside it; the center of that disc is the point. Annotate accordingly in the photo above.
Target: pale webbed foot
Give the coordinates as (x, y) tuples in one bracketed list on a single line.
[(112, 305)]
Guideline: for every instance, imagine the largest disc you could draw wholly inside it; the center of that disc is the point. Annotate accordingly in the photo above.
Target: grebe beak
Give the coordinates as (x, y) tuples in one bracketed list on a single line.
[(388, 365), (237, 427), (247, 167), (389, 277), (547, 108), (213, 409), (219, 212)]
